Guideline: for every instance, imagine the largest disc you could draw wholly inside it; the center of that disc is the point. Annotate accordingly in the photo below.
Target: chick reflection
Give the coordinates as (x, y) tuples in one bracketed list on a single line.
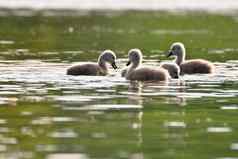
[(134, 97), (142, 89), (166, 92), (176, 88), (161, 94)]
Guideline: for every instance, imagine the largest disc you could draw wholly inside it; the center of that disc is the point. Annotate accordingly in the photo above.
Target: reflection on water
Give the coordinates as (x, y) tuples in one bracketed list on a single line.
[(109, 117), (65, 155)]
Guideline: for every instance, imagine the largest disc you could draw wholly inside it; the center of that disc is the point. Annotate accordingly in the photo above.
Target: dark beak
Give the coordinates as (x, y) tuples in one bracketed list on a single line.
[(128, 63), (170, 53), (114, 65), (176, 76)]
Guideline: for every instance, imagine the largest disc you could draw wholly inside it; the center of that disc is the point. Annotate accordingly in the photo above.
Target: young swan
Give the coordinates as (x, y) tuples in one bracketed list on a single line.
[(95, 69), (135, 72), (190, 66), (172, 68)]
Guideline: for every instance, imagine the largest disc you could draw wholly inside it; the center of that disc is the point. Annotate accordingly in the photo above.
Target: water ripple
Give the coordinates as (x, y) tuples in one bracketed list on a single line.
[(35, 80)]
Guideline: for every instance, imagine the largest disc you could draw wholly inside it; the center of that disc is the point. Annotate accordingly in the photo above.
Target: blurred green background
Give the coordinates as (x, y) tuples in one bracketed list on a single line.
[(68, 35)]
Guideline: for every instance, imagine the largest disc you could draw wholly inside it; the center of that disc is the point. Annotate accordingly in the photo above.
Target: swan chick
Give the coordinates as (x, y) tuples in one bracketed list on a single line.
[(172, 68), (189, 66), (95, 69), (136, 72)]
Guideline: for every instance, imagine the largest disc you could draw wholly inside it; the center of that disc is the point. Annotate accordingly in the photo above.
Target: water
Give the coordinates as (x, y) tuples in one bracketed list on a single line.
[(46, 114)]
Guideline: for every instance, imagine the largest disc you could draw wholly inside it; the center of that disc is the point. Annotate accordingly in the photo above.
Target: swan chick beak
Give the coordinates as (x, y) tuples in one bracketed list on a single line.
[(114, 65), (170, 53), (128, 63)]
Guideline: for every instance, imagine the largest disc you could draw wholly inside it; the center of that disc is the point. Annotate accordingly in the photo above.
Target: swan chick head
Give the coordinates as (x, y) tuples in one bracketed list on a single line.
[(110, 57), (172, 68), (135, 56), (176, 49)]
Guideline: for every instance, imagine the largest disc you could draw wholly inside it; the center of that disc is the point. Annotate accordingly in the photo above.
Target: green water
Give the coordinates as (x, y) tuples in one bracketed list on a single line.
[(153, 32), (47, 114)]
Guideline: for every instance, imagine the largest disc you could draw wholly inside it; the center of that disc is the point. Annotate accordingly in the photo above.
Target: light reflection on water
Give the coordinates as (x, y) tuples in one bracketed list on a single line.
[(67, 115)]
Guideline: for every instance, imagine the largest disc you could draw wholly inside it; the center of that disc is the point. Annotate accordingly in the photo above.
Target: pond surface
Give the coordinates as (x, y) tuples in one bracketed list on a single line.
[(46, 114)]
